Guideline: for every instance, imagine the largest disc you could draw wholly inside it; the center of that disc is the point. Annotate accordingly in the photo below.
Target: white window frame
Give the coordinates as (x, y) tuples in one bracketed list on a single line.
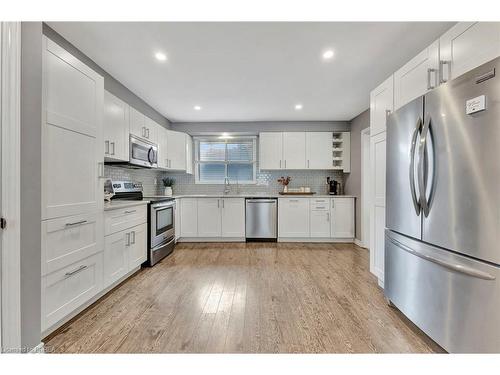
[(226, 162)]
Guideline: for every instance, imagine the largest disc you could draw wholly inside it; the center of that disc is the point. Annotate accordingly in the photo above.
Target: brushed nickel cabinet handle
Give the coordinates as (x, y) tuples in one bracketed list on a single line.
[(130, 212), (113, 144), (106, 147), (81, 268), (133, 237), (76, 223), (127, 236)]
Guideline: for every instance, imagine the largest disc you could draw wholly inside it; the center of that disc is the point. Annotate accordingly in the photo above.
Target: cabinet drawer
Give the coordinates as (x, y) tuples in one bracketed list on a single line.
[(70, 239), (124, 218), (320, 204), (65, 290)]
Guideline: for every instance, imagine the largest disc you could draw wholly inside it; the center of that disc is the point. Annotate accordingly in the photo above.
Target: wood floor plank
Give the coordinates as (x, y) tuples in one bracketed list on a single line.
[(246, 298)]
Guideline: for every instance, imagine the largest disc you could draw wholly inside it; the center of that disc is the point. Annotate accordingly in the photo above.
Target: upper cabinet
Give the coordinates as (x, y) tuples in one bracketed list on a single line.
[(116, 128), (72, 135), (417, 76), (381, 105), (300, 150), (294, 150), (466, 46), (271, 150), (189, 154), (319, 150), (142, 126), (171, 149)]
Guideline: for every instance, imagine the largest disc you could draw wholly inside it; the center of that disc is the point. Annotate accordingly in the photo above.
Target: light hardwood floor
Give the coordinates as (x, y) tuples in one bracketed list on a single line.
[(250, 298)]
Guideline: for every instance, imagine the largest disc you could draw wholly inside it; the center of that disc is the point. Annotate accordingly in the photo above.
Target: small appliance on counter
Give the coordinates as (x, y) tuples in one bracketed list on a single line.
[(161, 214), (334, 187)]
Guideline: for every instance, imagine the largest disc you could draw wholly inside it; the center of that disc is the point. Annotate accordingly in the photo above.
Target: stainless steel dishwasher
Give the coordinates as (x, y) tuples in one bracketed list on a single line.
[(261, 219)]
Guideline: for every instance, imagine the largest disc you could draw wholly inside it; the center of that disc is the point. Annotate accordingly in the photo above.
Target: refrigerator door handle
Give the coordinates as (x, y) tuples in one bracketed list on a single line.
[(416, 204), (452, 266), (423, 166)]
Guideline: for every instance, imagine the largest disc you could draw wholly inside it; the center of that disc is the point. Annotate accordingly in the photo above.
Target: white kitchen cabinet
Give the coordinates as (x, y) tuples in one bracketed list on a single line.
[(342, 223), (142, 126), (138, 249), (233, 217), (189, 217), (320, 217), (271, 150), (177, 218), (294, 150), (116, 128), (124, 251), (151, 130), (293, 217), (319, 150), (189, 154), (209, 217), (124, 218), (137, 123), (417, 76), (377, 210), (162, 148), (68, 288), (116, 256), (176, 150), (381, 105), (70, 239), (72, 157), (468, 45)]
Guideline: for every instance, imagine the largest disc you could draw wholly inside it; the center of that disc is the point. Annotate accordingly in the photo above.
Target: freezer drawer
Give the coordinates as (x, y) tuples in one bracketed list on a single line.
[(453, 299)]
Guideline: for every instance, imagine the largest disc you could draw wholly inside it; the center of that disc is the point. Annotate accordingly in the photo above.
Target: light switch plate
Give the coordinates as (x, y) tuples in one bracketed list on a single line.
[(476, 104)]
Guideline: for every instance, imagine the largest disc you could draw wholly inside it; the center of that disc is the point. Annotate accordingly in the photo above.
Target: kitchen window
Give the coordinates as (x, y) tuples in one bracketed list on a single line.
[(217, 159)]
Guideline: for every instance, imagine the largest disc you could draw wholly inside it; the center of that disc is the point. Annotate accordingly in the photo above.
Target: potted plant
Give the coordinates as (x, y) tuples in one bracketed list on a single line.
[(284, 181), (168, 182)]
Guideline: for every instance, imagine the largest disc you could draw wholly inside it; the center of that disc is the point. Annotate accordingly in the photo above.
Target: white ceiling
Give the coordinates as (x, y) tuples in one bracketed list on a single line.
[(252, 71)]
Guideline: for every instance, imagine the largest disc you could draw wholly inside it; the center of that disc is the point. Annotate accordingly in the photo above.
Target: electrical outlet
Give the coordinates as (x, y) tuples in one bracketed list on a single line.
[(155, 181)]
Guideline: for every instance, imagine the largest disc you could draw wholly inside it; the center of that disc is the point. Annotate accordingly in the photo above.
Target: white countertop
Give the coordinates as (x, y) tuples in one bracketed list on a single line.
[(255, 195), (117, 204)]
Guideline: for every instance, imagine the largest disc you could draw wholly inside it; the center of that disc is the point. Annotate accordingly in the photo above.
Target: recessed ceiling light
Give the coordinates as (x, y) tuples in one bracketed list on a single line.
[(160, 56), (328, 54), (197, 108), (298, 107)]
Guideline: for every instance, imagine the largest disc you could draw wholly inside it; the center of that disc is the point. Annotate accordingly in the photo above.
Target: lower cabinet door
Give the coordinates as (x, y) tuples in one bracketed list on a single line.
[(209, 217), (320, 224), (189, 217), (65, 290), (293, 217), (138, 246), (342, 218), (116, 252), (233, 217)]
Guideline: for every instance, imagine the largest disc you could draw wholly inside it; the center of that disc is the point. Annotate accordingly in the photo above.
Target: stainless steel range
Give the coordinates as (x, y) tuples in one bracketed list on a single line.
[(161, 214)]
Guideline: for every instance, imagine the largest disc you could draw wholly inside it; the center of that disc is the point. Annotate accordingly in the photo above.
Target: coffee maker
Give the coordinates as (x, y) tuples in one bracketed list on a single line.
[(334, 187)]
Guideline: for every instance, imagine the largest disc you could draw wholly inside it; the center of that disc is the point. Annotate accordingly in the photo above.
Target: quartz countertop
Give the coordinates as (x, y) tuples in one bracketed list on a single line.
[(117, 204), (253, 195)]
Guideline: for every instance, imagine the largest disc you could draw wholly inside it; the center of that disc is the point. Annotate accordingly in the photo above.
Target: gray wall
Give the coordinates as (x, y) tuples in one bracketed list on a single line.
[(353, 180), (261, 126), (110, 84), (31, 150)]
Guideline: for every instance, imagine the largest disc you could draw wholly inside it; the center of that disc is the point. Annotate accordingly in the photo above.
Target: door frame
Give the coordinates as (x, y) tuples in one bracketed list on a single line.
[(10, 127), (365, 191)]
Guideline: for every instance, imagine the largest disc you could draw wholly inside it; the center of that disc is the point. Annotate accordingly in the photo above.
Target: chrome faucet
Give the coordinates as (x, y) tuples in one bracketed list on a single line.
[(227, 190)]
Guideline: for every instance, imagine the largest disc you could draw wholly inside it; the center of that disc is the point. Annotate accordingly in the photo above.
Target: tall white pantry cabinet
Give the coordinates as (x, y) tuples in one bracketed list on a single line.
[(72, 190), (462, 48)]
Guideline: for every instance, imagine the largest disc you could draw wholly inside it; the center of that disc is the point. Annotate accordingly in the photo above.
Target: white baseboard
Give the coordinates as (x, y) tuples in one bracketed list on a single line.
[(211, 239), (360, 243), (316, 240)]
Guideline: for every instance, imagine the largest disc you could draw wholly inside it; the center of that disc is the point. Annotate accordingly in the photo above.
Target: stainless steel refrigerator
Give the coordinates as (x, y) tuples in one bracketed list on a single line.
[(442, 239)]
